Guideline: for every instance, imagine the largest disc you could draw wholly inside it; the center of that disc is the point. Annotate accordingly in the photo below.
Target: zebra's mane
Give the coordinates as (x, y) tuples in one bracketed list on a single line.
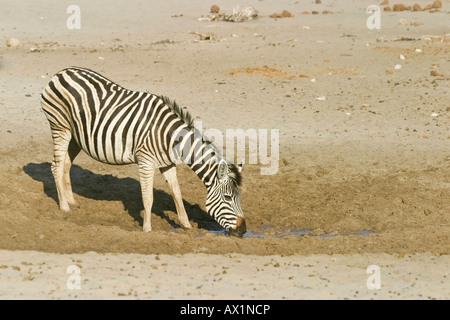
[(234, 174), (184, 115)]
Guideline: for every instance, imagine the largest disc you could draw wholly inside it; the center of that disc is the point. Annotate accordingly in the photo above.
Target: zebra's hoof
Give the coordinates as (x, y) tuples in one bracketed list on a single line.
[(64, 207), (147, 229), (186, 224)]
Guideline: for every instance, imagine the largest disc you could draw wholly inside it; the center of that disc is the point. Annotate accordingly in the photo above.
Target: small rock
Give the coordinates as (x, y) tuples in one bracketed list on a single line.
[(13, 42), (398, 67), (399, 7), (322, 98), (387, 9), (434, 73), (437, 4), (208, 36), (315, 12), (286, 14), (403, 22), (326, 12), (318, 2), (419, 50), (434, 114), (215, 8), (402, 57), (416, 7), (384, 3), (428, 7)]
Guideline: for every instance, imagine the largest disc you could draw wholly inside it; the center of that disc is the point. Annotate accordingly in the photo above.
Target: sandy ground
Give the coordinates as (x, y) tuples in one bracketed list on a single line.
[(364, 160), (231, 276)]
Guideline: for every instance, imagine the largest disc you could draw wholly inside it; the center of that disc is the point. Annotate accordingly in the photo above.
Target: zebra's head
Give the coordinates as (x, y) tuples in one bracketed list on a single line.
[(223, 201)]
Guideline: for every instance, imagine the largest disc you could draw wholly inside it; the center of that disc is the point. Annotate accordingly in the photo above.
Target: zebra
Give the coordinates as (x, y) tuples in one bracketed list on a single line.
[(114, 125)]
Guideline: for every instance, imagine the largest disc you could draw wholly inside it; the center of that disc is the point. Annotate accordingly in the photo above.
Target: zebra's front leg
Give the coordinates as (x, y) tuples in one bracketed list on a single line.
[(61, 141), (170, 173), (146, 173), (72, 152)]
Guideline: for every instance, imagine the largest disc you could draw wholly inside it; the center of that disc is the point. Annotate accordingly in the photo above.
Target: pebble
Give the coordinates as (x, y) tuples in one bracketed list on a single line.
[(215, 8), (398, 67), (399, 7), (284, 14), (437, 4), (13, 42), (402, 57), (322, 98), (434, 73)]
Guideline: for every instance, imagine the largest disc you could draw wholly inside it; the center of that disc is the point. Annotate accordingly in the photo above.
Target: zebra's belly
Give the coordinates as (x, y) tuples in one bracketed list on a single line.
[(109, 160), (109, 151)]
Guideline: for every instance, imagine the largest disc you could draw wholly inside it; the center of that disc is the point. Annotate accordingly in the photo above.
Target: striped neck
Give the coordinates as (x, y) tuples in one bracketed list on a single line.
[(191, 148), (206, 168)]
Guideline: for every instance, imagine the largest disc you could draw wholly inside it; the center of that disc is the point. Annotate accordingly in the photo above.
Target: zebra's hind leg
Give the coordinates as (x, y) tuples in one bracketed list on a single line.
[(61, 141), (146, 173), (170, 173), (72, 152)]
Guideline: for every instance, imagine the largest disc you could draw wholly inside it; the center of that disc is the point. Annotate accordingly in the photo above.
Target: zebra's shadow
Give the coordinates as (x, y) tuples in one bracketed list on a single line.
[(109, 188)]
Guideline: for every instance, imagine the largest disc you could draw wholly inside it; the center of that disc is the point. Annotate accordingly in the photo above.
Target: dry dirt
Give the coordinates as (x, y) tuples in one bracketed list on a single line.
[(367, 170)]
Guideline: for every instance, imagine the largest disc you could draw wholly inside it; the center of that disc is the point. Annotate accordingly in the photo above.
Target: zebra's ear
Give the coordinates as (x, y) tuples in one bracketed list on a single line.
[(222, 171)]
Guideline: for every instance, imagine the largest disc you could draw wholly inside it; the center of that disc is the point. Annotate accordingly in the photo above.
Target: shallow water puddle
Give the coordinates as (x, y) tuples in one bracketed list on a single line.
[(271, 232)]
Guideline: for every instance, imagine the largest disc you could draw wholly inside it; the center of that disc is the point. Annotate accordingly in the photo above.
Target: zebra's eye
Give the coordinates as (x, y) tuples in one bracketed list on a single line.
[(227, 197)]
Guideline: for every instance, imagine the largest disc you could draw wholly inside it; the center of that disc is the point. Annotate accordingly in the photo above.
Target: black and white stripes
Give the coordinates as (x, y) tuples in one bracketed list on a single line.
[(114, 125)]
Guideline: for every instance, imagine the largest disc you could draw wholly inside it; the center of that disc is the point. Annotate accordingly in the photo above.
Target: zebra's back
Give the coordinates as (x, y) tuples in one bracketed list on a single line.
[(109, 122)]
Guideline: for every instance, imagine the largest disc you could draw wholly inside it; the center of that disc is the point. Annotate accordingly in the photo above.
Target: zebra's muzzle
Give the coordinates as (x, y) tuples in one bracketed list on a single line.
[(240, 229)]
